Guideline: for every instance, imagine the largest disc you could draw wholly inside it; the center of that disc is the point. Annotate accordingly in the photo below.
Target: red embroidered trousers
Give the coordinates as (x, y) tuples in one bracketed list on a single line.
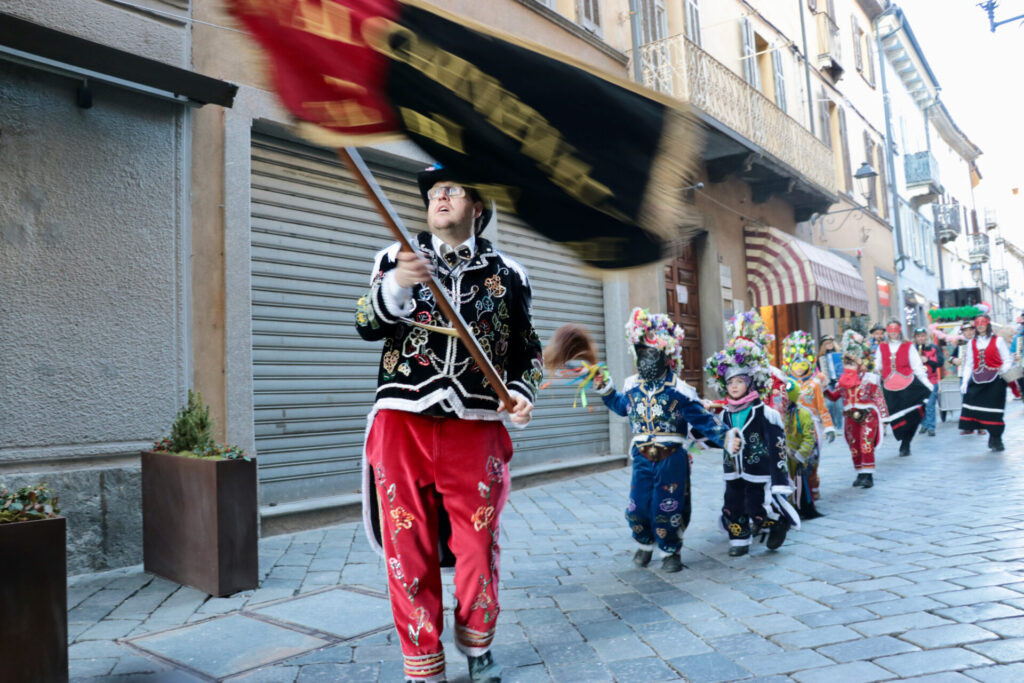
[(420, 463), (862, 438)]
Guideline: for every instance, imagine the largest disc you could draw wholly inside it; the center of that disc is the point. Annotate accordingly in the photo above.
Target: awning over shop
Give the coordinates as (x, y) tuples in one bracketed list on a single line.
[(52, 50), (784, 270)]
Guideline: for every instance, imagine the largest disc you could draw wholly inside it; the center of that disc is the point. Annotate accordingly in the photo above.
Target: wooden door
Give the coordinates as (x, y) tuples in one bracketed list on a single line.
[(683, 300)]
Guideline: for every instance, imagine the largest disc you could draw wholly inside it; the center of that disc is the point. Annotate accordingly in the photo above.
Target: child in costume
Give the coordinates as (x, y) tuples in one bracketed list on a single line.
[(661, 409), (798, 363), (864, 407), (802, 449), (757, 482)]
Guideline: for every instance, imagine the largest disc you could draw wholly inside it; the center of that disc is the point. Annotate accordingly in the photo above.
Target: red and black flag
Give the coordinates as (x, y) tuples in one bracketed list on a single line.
[(587, 160)]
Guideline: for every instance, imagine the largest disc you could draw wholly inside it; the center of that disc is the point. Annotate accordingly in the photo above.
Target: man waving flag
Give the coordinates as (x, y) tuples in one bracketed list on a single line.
[(588, 160)]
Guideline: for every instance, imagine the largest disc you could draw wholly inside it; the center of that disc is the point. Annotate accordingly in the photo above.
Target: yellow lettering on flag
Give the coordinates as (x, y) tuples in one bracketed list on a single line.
[(441, 130), (325, 19), (343, 113)]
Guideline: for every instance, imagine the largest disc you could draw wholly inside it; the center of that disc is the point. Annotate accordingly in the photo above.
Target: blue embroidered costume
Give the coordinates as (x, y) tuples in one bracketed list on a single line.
[(661, 414)]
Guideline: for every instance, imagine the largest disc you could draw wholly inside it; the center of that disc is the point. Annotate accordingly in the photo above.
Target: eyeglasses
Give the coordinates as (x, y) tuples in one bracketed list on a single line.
[(446, 190)]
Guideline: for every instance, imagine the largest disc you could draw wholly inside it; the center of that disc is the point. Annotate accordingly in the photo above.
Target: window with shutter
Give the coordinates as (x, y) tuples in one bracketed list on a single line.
[(824, 117), (869, 60), (653, 21), (751, 74), (844, 141), (883, 184), (869, 156), (693, 21), (589, 12), (780, 78), (858, 58)]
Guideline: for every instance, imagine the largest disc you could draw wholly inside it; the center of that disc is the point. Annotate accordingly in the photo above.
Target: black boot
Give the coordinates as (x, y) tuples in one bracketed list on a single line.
[(672, 563), (905, 448), (869, 481), (738, 550), (642, 558), (996, 444), (777, 534), (484, 669), (859, 481)]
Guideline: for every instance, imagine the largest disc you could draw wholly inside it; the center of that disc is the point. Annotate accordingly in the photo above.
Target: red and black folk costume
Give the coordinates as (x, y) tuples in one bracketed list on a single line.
[(435, 445), (864, 407), (985, 358), (905, 386)]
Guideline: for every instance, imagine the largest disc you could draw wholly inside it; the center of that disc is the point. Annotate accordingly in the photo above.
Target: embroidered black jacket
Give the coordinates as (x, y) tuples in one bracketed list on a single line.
[(422, 370)]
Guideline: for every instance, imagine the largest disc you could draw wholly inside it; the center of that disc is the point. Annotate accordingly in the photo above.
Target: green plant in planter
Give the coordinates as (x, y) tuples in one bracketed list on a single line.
[(28, 503), (192, 434)]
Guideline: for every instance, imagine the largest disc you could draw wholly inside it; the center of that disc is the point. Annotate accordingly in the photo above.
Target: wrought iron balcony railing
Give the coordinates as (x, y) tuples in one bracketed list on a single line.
[(1000, 280), (921, 169), (947, 221), (977, 247), (677, 67)]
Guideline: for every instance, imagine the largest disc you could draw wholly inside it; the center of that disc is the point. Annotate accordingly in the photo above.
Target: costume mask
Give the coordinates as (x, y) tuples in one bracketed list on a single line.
[(800, 368), (651, 363)]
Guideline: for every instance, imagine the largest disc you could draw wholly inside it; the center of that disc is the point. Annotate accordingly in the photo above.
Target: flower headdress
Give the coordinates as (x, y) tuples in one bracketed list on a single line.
[(855, 347), (740, 356), (749, 325), (656, 330), (796, 347)]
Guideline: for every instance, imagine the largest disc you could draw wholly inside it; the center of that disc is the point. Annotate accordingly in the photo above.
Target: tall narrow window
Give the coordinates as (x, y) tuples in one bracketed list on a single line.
[(693, 21), (653, 21), (869, 156), (825, 116), (589, 12), (751, 74), (780, 78), (855, 33), (844, 141)]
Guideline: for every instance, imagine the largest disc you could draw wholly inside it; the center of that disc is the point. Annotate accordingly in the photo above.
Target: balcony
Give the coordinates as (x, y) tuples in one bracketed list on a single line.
[(947, 221), (922, 174), (1000, 280), (750, 136), (828, 46), (977, 248), (991, 219)]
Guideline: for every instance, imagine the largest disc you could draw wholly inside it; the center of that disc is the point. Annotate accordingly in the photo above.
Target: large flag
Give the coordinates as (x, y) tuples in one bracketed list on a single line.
[(591, 161)]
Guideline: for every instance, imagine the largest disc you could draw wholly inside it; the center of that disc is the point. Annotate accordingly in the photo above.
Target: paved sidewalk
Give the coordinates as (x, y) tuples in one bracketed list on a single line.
[(919, 578)]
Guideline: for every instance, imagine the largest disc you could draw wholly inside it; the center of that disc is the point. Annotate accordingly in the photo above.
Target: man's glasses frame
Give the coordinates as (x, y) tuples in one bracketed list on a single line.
[(449, 191)]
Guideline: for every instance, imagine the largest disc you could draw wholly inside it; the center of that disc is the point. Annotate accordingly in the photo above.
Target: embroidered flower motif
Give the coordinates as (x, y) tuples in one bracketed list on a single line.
[(404, 369), (495, 469), (483, 516), (483, 601), (378, 473), (396, 568), (494, 286), (735, 529), (402, 518), (632, 505), (668, 505), (484, 489), (391, 493), (638, 529), (661, 532), (676, 520), (390, 361), (671, 488)]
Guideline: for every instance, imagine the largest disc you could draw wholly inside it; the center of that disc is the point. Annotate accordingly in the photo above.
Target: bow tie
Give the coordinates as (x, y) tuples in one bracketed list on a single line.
[(453, 256)]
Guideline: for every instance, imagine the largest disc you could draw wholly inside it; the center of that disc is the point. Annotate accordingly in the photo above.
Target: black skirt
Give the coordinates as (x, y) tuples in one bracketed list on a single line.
[(983, 405), (906, 409)]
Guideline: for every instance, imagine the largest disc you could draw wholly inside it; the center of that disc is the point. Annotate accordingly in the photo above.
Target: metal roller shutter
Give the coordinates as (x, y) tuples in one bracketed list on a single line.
[(314, 236), (562, 293)]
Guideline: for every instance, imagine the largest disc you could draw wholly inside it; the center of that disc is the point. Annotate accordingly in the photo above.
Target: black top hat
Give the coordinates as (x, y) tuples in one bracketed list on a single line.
[(437, 173)]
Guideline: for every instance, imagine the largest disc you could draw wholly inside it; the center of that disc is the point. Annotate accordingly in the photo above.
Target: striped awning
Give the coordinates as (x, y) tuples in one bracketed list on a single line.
[(784, 270)]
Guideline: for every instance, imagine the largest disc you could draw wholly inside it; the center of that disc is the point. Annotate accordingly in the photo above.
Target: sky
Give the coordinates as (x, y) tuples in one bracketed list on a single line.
[(981, 77)]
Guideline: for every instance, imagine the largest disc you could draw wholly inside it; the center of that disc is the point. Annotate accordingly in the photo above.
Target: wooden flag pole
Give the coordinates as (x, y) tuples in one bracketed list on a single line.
[(365, 178)]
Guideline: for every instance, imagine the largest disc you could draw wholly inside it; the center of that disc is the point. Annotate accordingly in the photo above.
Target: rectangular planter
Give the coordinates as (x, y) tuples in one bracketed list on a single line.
[(199, 522), (34, 601)]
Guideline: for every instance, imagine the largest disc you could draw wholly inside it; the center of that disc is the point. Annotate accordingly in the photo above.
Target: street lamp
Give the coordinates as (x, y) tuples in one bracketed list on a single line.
[(866, 174)]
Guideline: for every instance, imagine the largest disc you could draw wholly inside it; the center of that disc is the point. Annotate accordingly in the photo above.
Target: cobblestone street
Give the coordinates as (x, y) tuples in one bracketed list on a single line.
[(918, 578)]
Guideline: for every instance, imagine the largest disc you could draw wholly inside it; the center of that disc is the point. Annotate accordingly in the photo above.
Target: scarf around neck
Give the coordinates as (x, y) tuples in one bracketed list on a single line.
[(737, 404)]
